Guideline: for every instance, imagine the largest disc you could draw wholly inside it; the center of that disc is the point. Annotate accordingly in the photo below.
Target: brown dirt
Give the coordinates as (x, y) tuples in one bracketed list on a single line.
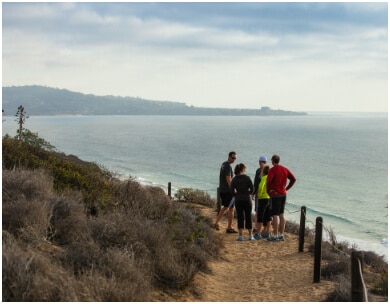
[(254, 271)]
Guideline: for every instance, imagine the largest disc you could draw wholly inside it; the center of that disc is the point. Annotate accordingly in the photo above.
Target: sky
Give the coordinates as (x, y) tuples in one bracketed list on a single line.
[(330, 56)]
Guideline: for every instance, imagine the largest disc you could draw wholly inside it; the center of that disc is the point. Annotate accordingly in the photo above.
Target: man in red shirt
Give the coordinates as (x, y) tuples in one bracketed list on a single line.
[(277, 190)]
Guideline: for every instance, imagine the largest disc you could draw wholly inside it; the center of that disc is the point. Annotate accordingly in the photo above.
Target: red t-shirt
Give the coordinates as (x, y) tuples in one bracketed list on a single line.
[(277, 180)]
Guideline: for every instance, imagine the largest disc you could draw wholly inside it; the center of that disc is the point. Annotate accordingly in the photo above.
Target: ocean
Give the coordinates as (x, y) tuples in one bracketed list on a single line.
[(340, 160)]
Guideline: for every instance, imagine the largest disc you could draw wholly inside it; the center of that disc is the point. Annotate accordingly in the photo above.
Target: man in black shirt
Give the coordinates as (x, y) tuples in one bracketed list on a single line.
[(225, 179)]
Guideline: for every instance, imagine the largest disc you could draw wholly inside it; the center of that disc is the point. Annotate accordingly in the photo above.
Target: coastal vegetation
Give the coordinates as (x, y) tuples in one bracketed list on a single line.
[(337, 267), (72, 231)]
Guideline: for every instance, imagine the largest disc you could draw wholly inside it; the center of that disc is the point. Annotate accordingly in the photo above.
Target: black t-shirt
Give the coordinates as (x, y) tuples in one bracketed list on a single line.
[(226, 170)]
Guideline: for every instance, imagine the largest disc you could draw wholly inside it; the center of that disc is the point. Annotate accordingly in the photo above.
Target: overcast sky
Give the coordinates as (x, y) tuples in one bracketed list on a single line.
[(290, 56)]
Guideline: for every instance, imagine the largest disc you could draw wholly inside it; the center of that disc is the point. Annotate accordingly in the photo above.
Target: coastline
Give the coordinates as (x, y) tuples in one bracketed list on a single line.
[(135, 157), (380, 247), (256, 248)]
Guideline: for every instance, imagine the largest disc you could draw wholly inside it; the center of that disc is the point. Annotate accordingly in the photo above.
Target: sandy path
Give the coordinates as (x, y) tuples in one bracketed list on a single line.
[(256, 271)]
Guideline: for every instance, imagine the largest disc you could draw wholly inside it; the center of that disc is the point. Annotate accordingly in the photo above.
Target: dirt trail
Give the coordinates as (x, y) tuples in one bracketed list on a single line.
[(255, 271)]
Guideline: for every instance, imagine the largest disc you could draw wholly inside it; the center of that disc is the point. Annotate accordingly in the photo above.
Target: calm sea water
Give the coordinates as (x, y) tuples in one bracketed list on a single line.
[(340, 160)]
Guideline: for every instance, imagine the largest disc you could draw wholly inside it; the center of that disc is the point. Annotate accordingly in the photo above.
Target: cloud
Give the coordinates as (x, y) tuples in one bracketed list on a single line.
[(205, 54)]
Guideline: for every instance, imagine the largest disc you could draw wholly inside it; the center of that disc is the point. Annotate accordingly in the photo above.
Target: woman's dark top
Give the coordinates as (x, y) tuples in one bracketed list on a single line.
[(241, 187)]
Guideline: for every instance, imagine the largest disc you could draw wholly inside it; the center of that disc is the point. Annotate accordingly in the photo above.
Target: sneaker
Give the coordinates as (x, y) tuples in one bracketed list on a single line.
[(251, 238), (257, 236), (239, 239), (273, 238), (264, 235), (231, 230), (281, 237)]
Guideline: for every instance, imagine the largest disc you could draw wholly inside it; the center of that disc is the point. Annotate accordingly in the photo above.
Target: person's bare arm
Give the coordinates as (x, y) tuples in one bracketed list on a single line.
[(229, 180)]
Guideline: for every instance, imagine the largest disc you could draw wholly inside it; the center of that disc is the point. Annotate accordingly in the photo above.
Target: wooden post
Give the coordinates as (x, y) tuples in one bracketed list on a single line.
[(169, 189), (302, 229), (358, 288), (218, 201), (317, 251)]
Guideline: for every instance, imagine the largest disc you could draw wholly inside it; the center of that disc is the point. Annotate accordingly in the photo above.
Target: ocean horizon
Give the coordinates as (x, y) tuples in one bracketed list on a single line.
[(339, 159)]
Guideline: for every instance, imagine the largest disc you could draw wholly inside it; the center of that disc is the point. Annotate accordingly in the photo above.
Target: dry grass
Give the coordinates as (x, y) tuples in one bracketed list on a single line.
[(53, 250), (336, 266), (195, 196)]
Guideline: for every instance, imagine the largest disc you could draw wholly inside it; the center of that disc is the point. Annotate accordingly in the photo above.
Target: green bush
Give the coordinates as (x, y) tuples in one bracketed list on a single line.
[(89, 178)]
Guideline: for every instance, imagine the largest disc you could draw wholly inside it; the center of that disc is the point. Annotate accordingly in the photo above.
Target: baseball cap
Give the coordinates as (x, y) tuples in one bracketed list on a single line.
[(263, 159)]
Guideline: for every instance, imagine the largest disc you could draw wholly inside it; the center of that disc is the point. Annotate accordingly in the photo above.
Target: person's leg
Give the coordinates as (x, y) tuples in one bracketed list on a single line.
[(240, 219), (267, 218), (261, 228), (261, 217), (257, 228), (240, 216), (275, 211), (248, 215), (230, 218), (282, 224), (275, 224), (259, 224), (248, 218), (220, 215), (225, 201), (267, 228)]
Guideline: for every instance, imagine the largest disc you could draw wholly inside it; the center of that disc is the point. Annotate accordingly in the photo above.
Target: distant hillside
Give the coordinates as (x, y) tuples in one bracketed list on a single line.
[(41, 100)]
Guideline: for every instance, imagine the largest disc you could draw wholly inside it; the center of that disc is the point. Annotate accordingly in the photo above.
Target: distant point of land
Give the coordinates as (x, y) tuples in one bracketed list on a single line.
[(42, 101)]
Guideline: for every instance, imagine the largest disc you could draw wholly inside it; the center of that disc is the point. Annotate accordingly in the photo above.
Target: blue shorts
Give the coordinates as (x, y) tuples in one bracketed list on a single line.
[(226, 198), (277, 205)]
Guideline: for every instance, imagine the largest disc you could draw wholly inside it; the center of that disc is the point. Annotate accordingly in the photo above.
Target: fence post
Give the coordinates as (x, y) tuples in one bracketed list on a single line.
[(358, 288), (218, 201), (317, 250), (169, 189), (302, 229)]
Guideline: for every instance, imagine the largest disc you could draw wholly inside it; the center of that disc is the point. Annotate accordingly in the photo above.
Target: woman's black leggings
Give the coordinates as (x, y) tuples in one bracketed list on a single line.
[(244, 214)]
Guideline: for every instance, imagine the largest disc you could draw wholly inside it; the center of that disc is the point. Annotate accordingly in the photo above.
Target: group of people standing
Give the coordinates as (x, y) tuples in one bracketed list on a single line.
[(268, 190)]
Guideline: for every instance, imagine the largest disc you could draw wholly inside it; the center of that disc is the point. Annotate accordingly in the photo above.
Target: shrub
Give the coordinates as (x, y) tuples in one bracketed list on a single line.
[(381, 284), (342, 291), (31, 276), (195, 196), (67, 173), (374, 260), (26, 210), (142, 242), (336, 266), (118, 279)]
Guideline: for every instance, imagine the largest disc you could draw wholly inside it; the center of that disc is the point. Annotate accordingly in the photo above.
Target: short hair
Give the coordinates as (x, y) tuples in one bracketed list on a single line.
[(232, 153), (276, 159)]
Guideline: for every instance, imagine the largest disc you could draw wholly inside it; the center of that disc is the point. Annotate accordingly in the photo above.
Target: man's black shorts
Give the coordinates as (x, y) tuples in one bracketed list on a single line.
[(277, 205), (226, 198)]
